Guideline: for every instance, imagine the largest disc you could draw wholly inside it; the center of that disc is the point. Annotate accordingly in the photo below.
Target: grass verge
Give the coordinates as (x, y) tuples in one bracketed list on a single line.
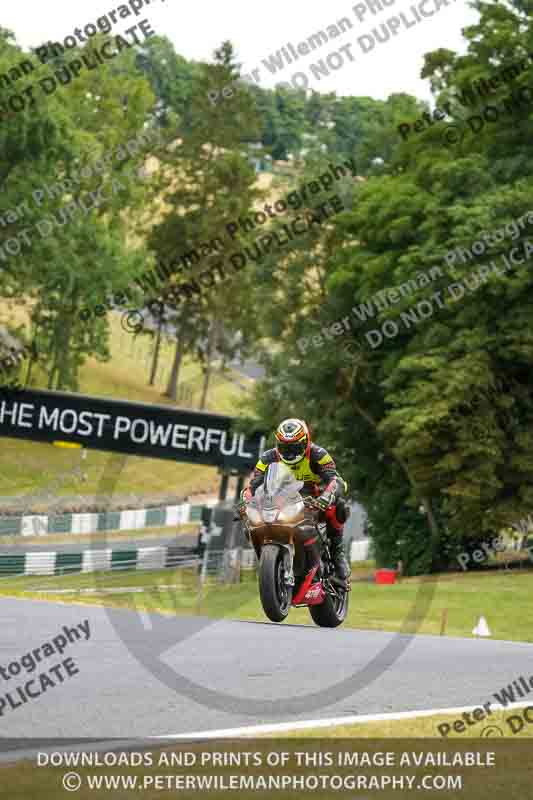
[(504, 598), (29, 467), (499, 723)]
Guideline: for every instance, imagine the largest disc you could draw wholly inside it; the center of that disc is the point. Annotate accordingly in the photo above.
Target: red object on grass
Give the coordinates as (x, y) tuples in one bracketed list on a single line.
[(385, 576)]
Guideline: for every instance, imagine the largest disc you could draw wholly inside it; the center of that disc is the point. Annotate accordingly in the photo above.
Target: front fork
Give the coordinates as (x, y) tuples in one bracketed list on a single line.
[(288, 563)]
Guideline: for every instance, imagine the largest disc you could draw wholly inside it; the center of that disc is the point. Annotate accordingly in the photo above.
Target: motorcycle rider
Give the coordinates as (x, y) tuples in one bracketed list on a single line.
[(312, 464)]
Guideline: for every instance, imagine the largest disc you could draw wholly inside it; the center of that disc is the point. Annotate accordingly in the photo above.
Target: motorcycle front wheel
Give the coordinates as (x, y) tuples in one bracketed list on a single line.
[(276, 596)]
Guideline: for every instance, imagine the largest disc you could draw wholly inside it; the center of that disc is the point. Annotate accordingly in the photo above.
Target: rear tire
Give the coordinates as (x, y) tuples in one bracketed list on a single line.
[(332, 612), (276, 596)]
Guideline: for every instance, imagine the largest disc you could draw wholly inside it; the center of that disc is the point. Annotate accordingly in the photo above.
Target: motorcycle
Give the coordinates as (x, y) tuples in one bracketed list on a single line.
[(277, 521)]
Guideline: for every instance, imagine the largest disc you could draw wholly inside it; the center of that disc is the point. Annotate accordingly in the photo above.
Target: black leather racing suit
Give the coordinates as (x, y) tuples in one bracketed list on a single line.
[(319, 473)]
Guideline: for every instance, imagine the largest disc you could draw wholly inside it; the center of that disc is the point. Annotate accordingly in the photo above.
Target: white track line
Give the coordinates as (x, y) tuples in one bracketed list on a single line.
[(255, 730)]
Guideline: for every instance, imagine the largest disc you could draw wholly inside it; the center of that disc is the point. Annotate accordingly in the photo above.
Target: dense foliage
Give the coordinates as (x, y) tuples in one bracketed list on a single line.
[(432, 420)]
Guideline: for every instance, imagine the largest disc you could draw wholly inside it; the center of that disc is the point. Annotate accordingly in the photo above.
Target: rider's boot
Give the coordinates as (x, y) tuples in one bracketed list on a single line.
[(338, 556)]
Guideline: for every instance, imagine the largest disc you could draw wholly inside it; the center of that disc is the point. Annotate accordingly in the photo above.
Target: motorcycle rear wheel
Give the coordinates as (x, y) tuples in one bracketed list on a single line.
[(276, 596), (332, 612)]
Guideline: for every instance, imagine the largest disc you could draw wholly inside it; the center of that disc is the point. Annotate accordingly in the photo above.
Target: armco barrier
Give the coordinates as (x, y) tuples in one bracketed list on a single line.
[(130, 519), (57, 563)]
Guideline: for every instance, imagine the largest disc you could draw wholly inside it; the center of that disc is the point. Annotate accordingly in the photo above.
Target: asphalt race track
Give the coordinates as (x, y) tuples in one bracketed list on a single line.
[(114, 695)]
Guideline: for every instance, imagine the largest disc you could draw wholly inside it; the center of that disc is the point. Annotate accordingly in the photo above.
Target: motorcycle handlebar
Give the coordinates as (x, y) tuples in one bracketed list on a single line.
[(311, 503)]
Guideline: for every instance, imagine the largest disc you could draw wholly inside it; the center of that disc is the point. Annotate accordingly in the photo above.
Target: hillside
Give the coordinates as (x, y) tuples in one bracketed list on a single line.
[(30, 467)]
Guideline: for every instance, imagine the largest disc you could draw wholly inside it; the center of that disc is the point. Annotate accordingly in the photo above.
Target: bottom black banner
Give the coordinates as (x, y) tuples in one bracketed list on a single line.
[(286, 768)]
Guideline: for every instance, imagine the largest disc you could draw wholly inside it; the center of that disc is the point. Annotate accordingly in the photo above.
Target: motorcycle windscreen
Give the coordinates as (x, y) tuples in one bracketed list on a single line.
[(280, 487)]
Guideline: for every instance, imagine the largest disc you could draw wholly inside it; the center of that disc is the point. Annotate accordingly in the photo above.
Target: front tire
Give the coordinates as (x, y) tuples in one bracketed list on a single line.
[(332, 612), (276, 596)]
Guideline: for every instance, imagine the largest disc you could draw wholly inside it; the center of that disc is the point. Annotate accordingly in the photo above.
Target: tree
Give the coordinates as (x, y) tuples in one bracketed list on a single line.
[(171, 77), (83, 256), (207, 181)]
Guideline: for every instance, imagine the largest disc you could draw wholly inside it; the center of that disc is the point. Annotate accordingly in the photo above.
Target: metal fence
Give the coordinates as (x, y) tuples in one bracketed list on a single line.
[(226, 565)]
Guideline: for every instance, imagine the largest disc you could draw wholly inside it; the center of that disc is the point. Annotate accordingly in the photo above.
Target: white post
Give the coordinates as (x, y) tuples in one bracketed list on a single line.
[(203, 574)]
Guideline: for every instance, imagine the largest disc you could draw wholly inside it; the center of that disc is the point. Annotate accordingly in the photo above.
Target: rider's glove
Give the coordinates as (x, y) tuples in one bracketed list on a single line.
[(244, 498), (325, 500)]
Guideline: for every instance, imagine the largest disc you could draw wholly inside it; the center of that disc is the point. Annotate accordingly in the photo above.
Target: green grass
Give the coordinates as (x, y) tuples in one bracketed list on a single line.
[(27, 467), (87, 580), (213, 600), (412, 606), (424, 728)]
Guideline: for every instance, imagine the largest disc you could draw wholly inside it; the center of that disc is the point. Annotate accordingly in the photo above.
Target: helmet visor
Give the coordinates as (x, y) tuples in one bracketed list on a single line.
[(292, 451)]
